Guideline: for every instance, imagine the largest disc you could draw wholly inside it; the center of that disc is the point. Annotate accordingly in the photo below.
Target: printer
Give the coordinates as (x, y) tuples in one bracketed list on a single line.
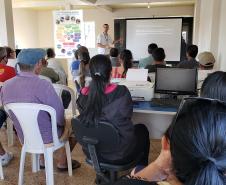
[(139, 90), (136, 81)]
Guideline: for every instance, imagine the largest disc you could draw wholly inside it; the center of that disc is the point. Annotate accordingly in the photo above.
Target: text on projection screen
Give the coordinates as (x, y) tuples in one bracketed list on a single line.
[(166, 33)]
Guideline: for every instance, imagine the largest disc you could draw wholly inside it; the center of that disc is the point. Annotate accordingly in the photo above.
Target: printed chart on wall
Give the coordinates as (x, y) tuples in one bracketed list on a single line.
[(68, 32)]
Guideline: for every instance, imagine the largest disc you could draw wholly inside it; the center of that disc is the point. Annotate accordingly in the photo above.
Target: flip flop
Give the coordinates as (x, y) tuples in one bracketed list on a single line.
[(75, 165)]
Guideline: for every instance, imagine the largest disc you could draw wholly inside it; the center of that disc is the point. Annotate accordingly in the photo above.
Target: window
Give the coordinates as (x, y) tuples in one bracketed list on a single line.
[(89, 34)]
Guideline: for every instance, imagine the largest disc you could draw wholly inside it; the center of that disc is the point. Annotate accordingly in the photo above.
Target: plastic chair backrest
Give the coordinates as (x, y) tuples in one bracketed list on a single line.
[(27, 116), (105, 133), (59, 89)]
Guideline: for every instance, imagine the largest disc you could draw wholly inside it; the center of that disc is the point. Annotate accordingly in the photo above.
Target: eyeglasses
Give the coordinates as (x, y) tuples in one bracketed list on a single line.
[(190, 100)]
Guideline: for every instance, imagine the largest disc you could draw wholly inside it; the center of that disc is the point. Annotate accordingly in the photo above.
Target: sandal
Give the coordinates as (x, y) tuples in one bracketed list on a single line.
[(75, 165)]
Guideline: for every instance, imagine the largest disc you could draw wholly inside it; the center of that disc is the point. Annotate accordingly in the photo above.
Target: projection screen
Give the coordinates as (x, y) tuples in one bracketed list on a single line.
[(166, 33)]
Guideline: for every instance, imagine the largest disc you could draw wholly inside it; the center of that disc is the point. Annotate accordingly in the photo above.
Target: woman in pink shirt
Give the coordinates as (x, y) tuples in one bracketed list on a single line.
[(125, 60)]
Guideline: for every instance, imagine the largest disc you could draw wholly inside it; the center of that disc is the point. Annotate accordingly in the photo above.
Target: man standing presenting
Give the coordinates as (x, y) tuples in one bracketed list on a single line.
[(105, 42)]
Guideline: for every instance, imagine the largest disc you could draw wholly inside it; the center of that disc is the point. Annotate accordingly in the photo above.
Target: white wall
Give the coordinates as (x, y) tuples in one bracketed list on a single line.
[(222, 37), (45, 29), (210, 29), (35, 28), (6, 22), (26, 28)]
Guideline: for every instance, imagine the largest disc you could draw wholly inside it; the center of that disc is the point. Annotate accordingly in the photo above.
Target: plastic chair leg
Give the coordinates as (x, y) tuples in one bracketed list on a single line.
[(35, 163), (21, 171), (48, 154), (1, 171), (10, 132), (68, 153)]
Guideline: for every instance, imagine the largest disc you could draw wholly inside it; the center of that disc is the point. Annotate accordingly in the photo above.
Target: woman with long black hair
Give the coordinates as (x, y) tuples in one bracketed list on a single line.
[(112, 103), (125, 61), (196, 144)]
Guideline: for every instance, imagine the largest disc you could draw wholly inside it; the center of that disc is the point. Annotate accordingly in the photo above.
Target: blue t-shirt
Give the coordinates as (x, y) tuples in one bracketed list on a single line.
[(75, 69), (75, 65)]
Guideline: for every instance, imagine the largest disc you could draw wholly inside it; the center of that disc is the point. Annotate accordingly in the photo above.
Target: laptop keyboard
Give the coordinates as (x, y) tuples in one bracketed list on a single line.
[(165, 102)]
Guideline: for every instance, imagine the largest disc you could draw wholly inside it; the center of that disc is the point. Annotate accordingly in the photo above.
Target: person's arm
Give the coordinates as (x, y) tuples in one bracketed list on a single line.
[(102, 45), (117, 41), (161, 168)]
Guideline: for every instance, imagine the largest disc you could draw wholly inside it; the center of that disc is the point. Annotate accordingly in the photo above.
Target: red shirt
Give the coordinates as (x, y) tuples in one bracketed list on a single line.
[(6, 72)]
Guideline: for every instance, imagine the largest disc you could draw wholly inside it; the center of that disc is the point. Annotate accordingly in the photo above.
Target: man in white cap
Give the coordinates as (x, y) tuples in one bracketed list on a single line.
[(206, 63)]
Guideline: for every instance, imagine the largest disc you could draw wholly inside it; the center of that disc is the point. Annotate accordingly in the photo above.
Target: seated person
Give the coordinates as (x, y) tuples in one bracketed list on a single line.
[(112, 103), (48, 72), (213, 87), (125, 61), (159, 57), (144, 62), (84, 75), (114, 57), (56, 66), (206, 63), (196, 145), (6, 72), (11, 53), (75, 64), (5, 157), (190, 63), (27, 87)]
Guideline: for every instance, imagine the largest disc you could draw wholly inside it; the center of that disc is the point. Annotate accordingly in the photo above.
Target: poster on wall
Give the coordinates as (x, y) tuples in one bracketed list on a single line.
[(68, 32)]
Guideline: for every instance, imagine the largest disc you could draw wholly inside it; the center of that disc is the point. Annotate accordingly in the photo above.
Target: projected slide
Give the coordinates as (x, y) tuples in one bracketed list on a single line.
[(166, 33)]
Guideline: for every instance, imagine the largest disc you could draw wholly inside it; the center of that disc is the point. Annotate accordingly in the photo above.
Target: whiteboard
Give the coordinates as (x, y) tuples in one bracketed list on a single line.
[(166, 33)]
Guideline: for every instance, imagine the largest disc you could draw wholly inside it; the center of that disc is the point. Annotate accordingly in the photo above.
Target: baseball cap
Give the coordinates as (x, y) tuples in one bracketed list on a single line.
[(31, 56), (206, 59)]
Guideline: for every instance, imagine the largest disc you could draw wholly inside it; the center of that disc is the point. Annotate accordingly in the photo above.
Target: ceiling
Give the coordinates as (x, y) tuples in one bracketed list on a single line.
[(110, 5)]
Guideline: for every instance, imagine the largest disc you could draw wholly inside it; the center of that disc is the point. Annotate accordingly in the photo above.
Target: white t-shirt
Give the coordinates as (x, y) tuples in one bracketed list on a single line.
[(104, 39)]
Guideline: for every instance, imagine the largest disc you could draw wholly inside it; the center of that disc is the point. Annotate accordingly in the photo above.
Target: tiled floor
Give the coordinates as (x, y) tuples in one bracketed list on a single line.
[(82, 176)]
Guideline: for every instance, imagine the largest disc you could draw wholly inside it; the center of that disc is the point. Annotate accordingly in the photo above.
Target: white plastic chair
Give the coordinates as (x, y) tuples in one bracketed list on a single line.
[(10, 132), (59, 89), (27, 115), (1, 170)]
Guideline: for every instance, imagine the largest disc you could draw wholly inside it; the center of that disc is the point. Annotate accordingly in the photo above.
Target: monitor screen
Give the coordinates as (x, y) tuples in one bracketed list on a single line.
[(176, 81)]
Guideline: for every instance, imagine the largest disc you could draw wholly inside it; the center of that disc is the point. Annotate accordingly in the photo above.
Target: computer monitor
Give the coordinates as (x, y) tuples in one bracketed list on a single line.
[(176, 81)]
